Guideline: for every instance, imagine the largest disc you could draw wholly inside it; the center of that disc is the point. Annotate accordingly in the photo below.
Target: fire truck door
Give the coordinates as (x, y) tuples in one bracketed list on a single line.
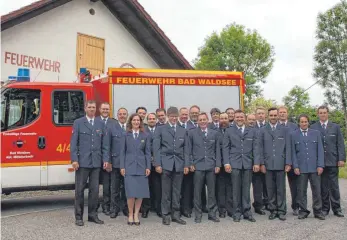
[(67, 105), (23, 153)]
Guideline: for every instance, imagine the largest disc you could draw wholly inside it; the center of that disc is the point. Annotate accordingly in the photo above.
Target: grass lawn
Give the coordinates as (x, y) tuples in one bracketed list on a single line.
[(343, 172)]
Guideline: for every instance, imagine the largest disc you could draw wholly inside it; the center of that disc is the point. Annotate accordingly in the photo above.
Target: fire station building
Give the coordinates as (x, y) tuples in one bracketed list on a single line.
[(54, 39)]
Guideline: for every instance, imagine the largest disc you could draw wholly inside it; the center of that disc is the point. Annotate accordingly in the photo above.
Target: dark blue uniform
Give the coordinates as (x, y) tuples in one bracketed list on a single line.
[(259, 183), (308, 155), (274, 153), (90, 148), (171, 152), (154, 201), (239, 150), (292, 177), (205, 157), (118, 200), (334, 151), (135, 158)]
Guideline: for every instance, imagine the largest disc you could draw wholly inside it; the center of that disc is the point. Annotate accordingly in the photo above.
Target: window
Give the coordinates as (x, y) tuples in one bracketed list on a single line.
[(67, 106), (19, 107)]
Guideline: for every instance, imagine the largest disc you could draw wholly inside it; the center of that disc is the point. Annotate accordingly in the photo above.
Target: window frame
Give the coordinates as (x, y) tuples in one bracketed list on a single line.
[(52, 105), (8, 108)]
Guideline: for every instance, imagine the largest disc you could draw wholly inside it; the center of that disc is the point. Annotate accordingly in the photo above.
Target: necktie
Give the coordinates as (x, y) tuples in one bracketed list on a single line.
[(204, 132), (240, 129), (323, 126), (123, 127), (152, 130), (91, 121), (273, 128), (261, 125), (136, 135), (223, 130), (183, 125), (283, 124), (217, 125), (305, 133), (173, 128), (104, 120)]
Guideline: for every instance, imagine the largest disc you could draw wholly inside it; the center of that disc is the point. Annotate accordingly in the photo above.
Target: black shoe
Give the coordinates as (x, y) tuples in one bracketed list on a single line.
[(144, 214), (222, 215), (95, 220), (166, 220), (79, 223), (272, 216), (204, 210), (197, 220), (282, 217), (250, 218), (339, 214), (107, 213), (320, 216), (114, 215), (236, 219), (130, 223), (302, 216), (325, 213), (179, 221), (159, 214), (296, 212), (259, 211), (213, 219), (187, 215), (230, 215), (137, 223)]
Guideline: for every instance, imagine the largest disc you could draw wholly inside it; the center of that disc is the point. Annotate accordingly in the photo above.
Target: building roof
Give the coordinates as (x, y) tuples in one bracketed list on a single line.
[(130, 13)]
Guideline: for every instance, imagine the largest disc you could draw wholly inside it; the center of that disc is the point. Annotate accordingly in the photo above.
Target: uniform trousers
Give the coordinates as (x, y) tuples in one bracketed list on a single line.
[(330, 189), (314, 179), (81, 178)]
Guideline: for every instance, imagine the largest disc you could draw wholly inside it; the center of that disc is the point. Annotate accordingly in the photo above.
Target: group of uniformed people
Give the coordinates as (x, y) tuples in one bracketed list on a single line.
[(178, 163)]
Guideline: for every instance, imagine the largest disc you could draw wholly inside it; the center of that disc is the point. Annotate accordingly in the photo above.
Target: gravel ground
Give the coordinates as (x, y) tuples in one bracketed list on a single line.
[(59, 224)]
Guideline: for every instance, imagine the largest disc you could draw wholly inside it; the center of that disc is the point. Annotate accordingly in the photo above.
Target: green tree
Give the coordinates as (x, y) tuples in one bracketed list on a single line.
[(238, 49), (297, 100), (260, 102), (331, 56)]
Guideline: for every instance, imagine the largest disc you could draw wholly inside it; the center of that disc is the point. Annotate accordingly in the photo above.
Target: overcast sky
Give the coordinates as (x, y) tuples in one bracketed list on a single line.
[(288, 25)]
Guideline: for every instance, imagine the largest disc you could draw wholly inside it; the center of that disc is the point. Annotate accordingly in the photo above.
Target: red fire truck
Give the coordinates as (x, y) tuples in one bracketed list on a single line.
[(37, 117)]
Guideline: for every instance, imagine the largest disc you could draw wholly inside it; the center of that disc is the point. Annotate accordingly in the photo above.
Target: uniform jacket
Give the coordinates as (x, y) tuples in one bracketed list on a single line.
[(204, 151), (151, 136), (239, 149), (135, 154), (89, 143), (212, 126), (171, 148), (189, 125), (115, 134), (274, 147), (307, 151), (221, 137), (333, 143), (292, 126), (120, 127)]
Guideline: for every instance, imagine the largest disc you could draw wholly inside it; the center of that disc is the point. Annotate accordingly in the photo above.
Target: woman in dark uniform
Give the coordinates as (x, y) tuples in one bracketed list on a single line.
[(135, 164)]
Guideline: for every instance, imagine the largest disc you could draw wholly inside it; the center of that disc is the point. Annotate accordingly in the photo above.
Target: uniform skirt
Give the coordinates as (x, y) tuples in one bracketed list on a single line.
[(136, 186)]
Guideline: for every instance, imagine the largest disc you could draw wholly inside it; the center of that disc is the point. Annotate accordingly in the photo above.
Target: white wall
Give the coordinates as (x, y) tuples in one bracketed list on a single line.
[(53, 36)]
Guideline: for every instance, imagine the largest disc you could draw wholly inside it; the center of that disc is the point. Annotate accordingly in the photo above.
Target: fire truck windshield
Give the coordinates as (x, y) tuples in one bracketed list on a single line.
[(19, 107)]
